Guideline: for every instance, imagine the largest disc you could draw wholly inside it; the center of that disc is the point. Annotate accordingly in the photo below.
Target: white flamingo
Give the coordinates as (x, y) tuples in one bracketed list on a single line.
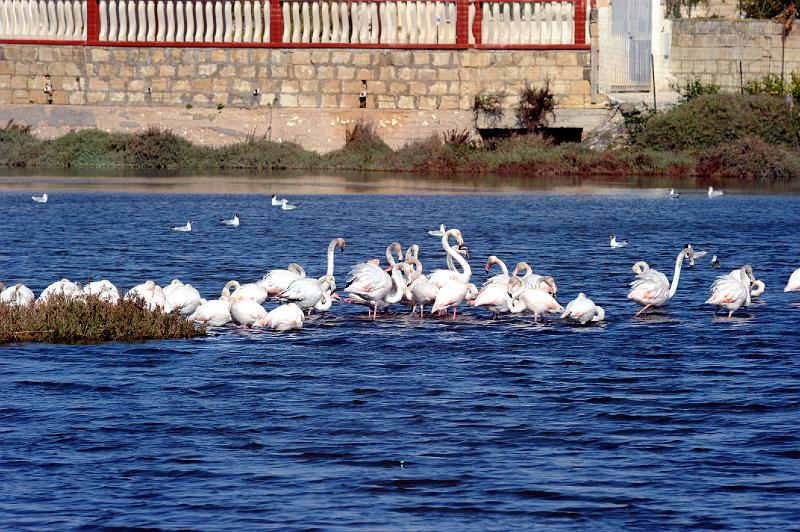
[(758, 288), (497, 297), (245, 311), (793, 285), (539, 300), (216, 312), (17, 295), (276, 281), (583, 310), (652, 288), (534, 280), (457, 288), (64, 287), (151, 294), (501, 278), (420, 291), (104, 290), (184, 298), (309, 293), (287, 317), (732, 291), (254, 291), (370, 285)]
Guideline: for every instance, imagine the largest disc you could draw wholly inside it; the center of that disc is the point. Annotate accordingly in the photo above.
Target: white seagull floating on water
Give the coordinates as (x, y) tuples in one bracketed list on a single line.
[(275, 201), (233, 222), (184, 228), (438, 232), (714, 193), (615, 244), (673, 194), (286, 206), (40, 199)]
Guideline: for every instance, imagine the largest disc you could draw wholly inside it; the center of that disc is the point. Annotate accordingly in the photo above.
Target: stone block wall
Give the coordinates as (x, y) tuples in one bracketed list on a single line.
[(284, 78), (712, 50)]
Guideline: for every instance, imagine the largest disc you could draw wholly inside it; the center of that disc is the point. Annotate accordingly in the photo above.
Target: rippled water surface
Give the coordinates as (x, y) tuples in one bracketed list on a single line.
[(678, 420)]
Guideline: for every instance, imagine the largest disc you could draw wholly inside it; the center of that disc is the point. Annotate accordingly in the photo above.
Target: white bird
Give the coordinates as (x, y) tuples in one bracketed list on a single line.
[(233, 222), (715, 262), (458, 288), (255, 291), (184, 228), (534, 280), (673, 194), (694, 254), (276, 281), (309, 294), (104, 290), (245, 311), (214, 313), (438, 232), (184, 298), (420, 291), (652, 288), (615, 244), (502, 277), (288, 317), (152, 295), (583, 310), (286, 206), (19, 295), (538, 300), (40, 199), (370, 285), (794, 282), (275, 201), (759, 289), (64, 287), (714, 193), (732, 291), (498, 297)]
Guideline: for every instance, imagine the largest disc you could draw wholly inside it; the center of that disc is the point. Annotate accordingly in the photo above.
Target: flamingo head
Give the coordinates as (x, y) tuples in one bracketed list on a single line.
[(412, 253), (748, 271), (640, 267), (340, 243), (491, 260)]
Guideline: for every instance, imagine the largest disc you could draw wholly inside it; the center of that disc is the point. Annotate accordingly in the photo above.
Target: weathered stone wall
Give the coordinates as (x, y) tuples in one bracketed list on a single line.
[(302, 78), (712, 50)]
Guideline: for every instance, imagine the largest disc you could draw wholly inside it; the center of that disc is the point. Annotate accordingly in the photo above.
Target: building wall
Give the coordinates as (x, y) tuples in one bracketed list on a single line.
[(713, 50), (289, 79)]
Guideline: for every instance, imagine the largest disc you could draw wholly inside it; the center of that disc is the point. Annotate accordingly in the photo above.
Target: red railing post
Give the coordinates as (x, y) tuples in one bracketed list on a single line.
[(275, 21), (477, 24), (580, 22), (92, 22), (462, 23)]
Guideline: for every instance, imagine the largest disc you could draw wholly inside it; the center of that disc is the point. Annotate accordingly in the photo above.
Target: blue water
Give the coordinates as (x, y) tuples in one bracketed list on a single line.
[(678, 420)]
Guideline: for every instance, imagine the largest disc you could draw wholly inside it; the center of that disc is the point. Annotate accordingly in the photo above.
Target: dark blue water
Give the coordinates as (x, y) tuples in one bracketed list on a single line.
[(679, 420)]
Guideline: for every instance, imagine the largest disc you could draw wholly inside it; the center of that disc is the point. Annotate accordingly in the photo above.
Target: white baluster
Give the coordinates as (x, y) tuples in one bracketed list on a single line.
[(267, 36), (188, 13), (440, 19), (11, 9), (102, 13), (389, 22), (363, 14), (400, 24), (546, 24), (326, 22), (69, 28), (525, 26), (495, 29), (567, 23), (122, 6), (375, 25), (555, 10), (169, 35), (228, 12), (219, 24), (287, 22), (258, 27), (4, 33), (113, 13), (296, 24), (336, 13), (486, 16), (315, 27), (305, 34), (237, 21), (516, 17), (23, 16), (150, 5), (81, 31), (210, 21), (131, 20), (248, 21), (344, 18), (180, 25), (199, 24), (471, 17), (505, 28), (33, 13), (450, 25), (161, 20), (536, 27), (411, 22)]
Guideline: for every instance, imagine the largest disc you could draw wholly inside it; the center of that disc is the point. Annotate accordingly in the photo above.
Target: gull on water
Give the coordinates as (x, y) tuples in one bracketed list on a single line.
[(714, 193), (40, 199), (184, 228), (673, 194), (438, 232), (615, 244), (233, 222), (275, 201), (286, 206)]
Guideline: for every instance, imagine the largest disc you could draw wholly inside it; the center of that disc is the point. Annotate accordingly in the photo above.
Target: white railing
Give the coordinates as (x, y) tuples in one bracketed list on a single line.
[(369, 22), (228, 21), (527, 23), (56, 20)]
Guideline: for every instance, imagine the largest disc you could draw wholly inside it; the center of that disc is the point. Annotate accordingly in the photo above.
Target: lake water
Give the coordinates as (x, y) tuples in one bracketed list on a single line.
[(677, 420)]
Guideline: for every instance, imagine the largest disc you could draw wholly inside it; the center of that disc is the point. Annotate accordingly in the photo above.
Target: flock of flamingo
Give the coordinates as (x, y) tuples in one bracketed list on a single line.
[(401, 282)]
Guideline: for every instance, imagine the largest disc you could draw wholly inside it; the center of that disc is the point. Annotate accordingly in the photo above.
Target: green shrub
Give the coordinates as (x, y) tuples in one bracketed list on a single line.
[(155, 148), (710, 120), (773, 85), (750, 159), (536, 105), (87, 148), (762, 8), (694, 88), (18, 146)]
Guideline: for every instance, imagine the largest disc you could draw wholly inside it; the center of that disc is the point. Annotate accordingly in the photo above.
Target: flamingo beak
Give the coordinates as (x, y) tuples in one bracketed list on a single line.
[(336, 296)]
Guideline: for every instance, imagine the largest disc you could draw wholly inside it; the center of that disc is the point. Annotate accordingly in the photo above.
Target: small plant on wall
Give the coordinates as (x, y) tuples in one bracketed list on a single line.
[(536, 105), (490, 104)]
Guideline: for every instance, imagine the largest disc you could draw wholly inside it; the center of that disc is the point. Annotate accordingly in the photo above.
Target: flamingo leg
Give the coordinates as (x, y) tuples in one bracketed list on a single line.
[(643, 309), (730, 314), (421, 310), (454, 312)]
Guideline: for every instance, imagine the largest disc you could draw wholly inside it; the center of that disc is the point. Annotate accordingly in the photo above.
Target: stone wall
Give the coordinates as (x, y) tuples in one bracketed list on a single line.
[(288, 79), (712, 50)]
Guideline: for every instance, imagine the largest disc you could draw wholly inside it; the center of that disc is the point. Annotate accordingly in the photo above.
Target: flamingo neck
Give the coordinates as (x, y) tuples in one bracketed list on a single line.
[(677, 275), (324, 304), (331, 247), (398, 286), (452, 254)]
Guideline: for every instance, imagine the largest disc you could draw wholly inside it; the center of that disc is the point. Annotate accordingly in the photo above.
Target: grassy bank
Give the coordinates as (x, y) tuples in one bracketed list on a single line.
[(62, 320), (751, 137)]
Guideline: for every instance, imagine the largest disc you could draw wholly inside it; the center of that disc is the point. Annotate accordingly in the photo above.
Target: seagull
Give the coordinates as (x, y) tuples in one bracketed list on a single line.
[(694, 254), (184, 228), (615, 244), (715, 262), (286, 206), (233, 222), (275, 201), (438, 232), (673, 194), (40, 199), (714, 193)]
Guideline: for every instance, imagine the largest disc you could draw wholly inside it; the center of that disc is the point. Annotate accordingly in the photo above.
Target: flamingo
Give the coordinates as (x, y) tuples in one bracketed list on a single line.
[(441, 277), (501, 278), (276, 281), (732, 291), (533, 280), (420, 291), (104, 290), (539, 300), (759, 289), (151, 294), (615, 244), (457, 288), (497, 297), (17, 295), (369, 284), (64, 287), (254, 291), (216, 312), (184, 298), (184, 228), (40, 199), (652, 288), (794, 282), (287, 317), (309, 294), (583, 310), (245, 311), (233, 222)]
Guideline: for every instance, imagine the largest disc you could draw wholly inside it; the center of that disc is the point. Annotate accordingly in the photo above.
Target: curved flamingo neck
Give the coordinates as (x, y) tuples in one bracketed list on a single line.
[(398, 286), (501, 264), (466, 272), (677, 274)]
